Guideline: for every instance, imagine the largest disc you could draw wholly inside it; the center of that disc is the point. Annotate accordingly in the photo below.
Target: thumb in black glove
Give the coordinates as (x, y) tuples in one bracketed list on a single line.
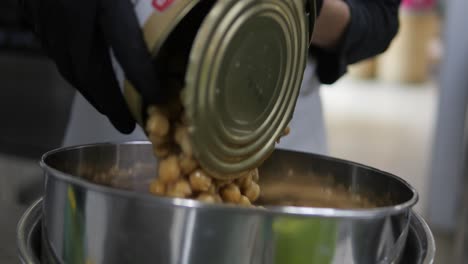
[(78, 36)]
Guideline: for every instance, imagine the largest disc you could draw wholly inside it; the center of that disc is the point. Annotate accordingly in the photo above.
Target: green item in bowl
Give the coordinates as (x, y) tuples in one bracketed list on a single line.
[(305, 241)]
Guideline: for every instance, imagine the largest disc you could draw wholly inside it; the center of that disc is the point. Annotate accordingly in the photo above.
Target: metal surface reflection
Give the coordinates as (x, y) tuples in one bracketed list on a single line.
[(419, 249)]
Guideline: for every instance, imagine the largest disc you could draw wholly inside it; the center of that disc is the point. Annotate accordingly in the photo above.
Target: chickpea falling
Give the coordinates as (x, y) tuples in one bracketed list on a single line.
[(179, 174)]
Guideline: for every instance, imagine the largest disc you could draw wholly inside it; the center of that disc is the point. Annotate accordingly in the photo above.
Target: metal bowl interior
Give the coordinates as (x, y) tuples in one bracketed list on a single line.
[(286, 174)]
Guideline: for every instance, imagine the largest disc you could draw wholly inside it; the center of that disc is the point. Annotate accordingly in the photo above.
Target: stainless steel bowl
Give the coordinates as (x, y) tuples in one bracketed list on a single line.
[(84, 221), (420, 247)]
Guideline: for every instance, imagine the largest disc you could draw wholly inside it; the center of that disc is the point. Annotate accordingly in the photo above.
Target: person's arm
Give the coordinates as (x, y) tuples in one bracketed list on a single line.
[(331, 23), (348, 31)]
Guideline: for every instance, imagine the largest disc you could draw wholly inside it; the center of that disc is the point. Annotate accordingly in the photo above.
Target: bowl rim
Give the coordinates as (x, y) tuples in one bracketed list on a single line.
[(368, 213)]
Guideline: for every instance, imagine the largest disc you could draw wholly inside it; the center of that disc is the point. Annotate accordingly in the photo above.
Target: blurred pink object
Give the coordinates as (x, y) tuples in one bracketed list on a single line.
[(418, 4)]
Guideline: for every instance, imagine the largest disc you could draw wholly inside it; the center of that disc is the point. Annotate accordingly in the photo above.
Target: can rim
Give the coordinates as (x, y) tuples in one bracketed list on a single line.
[(220, 148)]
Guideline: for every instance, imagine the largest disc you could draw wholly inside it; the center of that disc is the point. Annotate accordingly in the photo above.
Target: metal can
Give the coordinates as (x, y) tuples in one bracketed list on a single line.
[(241, 65)]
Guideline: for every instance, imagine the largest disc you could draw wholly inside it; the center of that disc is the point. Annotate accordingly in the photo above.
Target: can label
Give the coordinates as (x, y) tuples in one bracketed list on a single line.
[(161, 5)]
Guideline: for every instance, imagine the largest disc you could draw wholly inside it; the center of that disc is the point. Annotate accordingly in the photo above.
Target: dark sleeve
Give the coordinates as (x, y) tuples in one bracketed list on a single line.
[(373, 25), (29, 13)]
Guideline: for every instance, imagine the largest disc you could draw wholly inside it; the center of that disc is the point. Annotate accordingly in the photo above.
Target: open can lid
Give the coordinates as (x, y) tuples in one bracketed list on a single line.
[(242, 82)]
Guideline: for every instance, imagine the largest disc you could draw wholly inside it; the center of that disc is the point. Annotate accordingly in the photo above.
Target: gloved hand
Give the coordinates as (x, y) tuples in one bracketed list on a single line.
[(78, 35)]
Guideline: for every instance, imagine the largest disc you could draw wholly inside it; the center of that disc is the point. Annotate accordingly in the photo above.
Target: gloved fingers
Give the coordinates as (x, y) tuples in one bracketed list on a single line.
[(122, 32), (100, 81), (55, 28), (80, 20), (70, 34)]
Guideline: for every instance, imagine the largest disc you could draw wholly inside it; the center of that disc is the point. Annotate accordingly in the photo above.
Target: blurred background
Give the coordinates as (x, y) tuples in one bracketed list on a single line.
[(402, 112), (34, 108)]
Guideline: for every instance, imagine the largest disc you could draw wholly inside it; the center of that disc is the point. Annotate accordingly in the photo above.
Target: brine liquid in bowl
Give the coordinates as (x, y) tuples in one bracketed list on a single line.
[(293, 190)]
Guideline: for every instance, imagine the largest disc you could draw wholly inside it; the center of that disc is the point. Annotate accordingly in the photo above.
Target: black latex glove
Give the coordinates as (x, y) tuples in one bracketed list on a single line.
[(372, 28), (78, 35)]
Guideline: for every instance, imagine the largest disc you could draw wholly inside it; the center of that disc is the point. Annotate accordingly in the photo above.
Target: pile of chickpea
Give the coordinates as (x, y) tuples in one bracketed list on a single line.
[(179, 174)]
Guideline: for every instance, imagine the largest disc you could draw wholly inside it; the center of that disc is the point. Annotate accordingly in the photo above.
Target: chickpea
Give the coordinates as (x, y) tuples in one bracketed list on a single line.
[(218, 198), (173, 109), (222, 183), (152, 109), (285, 132), (180, 189), (207, 198), (255, 175), (253, 192), (179, 174), (169, 170), (187, 164), (244, 201), (200, 181), (158, 140), (212, 189), (244, 173), (231, 193), (157, 187), (181, 136), (161, 151), (174, 194), (245, 181), (157, 124)]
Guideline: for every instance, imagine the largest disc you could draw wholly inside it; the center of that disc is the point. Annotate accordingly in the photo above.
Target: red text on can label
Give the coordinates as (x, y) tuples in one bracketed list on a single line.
[(161, 5)]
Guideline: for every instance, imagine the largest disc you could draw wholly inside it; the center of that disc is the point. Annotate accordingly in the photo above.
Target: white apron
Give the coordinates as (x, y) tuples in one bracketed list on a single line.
[(86, 125)]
